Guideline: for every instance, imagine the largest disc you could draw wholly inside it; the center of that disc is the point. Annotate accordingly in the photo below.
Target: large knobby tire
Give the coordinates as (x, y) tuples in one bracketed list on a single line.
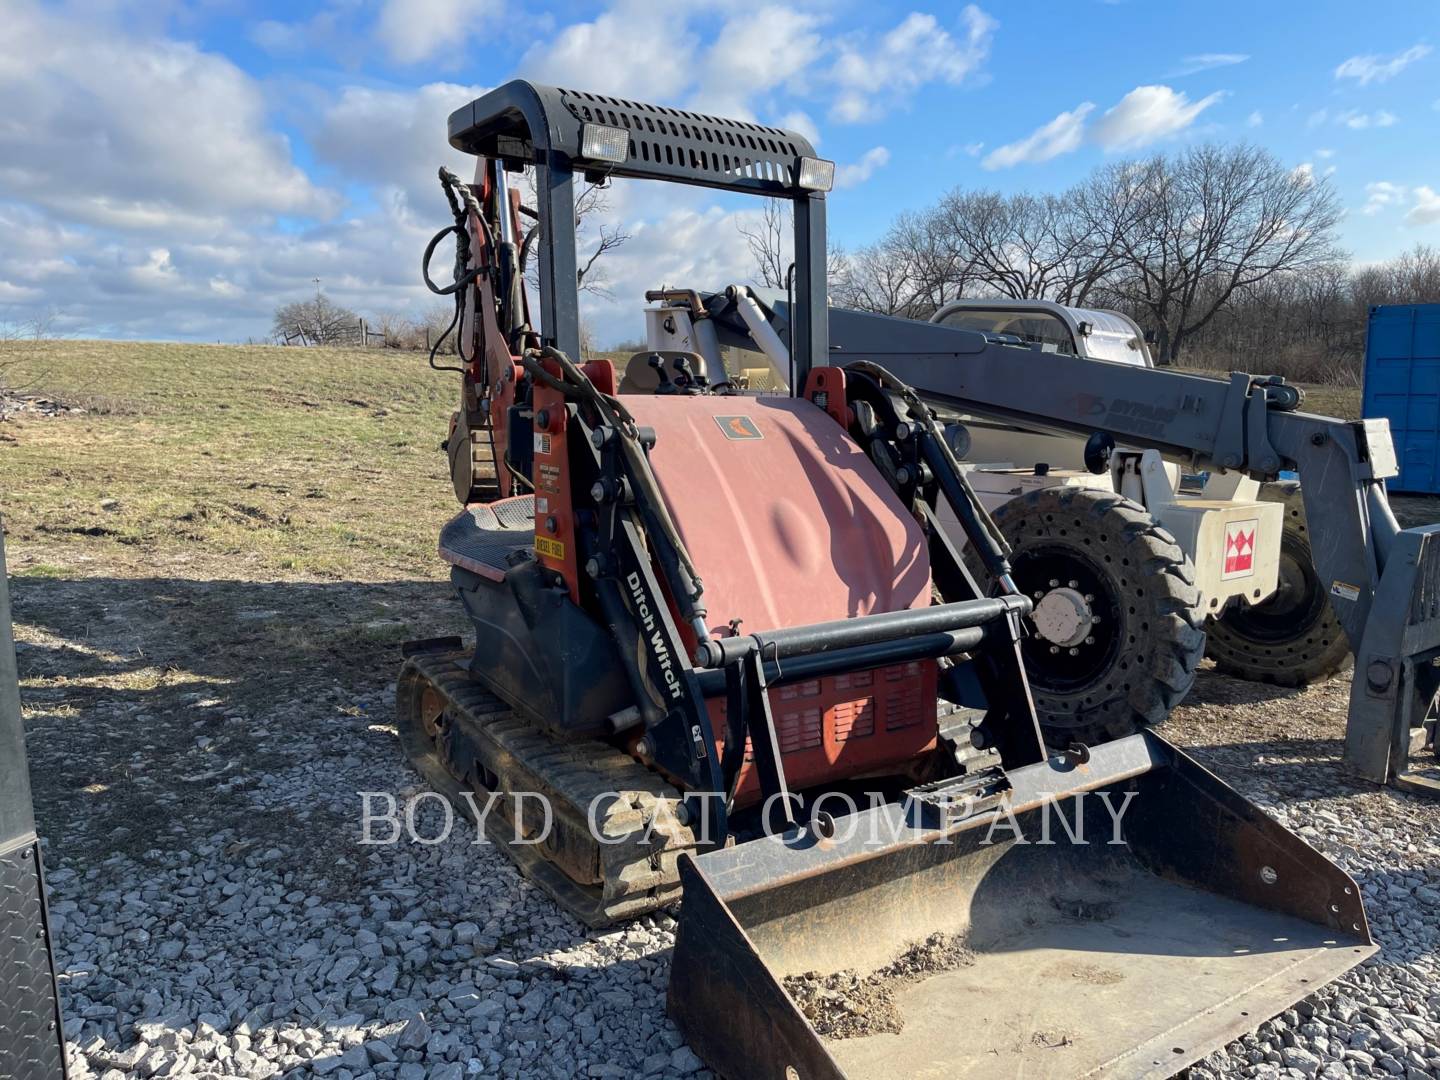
[(1292, 638), (1139, 657)]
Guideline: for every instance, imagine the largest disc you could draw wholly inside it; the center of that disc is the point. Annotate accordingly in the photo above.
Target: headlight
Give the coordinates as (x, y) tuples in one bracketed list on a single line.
[(816, 174), (601, 143)]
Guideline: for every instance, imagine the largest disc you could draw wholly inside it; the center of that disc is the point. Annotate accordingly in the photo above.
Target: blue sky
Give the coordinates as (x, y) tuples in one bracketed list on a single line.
[(178, 169)]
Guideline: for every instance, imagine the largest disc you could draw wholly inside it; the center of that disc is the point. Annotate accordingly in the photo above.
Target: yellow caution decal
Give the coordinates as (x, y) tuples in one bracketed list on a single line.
[(547, 545)]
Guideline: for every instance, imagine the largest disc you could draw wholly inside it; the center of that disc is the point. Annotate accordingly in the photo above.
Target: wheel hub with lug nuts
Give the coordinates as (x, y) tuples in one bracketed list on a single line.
[(1063, 616)]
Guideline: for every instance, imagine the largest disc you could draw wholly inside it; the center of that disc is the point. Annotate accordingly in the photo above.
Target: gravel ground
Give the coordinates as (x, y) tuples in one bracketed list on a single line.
[(1282, 749), (215, 914)]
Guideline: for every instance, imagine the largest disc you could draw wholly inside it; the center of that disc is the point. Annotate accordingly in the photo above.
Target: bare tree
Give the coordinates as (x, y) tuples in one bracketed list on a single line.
[(1412, 278), (879, 277), (434, 322), (317, 321), (1208, 222), (770, 243), (394, 328), (939, 269), (39, 325), (592, 207), (593, 232)]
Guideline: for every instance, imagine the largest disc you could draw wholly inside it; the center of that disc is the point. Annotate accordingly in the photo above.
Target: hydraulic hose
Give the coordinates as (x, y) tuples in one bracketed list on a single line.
[(462, 203), (991, 545)]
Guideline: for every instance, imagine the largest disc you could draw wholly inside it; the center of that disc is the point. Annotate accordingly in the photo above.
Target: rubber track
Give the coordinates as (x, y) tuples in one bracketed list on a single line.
[(600, 883)]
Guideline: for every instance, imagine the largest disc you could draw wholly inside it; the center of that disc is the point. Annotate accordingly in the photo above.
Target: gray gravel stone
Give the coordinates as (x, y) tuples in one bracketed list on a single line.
[(251, 937)]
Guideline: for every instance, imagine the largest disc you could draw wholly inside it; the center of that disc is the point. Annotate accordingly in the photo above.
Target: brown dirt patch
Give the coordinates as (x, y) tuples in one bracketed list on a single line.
[(848, 1005)]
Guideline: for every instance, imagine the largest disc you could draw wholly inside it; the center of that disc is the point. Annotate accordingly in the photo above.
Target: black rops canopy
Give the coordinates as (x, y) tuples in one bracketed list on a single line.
[(522, 123)]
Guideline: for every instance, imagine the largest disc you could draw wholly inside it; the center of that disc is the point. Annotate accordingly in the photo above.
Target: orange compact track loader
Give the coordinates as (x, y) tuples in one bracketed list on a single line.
[(726, 650)]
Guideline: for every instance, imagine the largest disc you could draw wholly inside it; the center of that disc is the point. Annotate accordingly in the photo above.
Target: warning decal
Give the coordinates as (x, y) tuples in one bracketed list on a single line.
[(1240, 549), (1345, 591), (553, 548), (738, 427)]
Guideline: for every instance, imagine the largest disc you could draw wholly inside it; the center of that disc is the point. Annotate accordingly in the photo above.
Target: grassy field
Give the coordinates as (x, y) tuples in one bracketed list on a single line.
[(248, 462), (229, 461)]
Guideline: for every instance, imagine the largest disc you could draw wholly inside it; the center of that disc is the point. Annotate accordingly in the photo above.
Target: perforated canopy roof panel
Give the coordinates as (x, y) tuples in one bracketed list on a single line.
[(524, 121)]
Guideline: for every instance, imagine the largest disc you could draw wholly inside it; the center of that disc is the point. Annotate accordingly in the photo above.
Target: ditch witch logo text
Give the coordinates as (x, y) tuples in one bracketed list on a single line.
[(649, 625), (1120, 415)]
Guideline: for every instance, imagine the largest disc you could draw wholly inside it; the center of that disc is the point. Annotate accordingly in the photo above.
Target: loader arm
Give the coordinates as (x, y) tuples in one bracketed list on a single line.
[(1384, 582)]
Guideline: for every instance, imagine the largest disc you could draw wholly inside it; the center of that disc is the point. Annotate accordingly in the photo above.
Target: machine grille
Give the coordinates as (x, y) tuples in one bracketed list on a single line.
[(705, 147), (903, 697), (854, 720)]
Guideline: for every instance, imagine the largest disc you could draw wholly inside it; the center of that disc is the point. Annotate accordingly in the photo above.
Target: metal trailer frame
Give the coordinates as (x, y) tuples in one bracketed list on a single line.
[(1384, 581), (32, 1038)]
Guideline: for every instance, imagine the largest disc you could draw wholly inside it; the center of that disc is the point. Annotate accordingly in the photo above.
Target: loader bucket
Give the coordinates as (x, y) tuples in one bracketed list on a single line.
[(957, 948)]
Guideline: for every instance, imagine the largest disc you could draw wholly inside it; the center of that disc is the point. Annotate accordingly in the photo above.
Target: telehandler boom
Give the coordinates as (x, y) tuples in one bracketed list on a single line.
[(1382, 582)]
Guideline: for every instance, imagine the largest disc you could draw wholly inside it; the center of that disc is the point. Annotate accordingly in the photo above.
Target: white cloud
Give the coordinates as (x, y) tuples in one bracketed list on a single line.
[(143, 192), (278, 37), (1358, 121), (754, 53), (1324, 153), (1304, 172), (757, 53), (394, 139), (1426, 210), (800, 121), (1255, 119), (1381, 194), (333, 29), (624, 52), (1145, 115), (1148, 114), (417, 30), (847, 176), (1059, 136), (138, 133), (873, 77), (1208, 61), (1353, 119), (1373, 67)]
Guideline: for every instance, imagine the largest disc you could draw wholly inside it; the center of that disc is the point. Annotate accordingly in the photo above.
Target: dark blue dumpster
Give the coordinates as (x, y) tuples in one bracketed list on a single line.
[(1402, 384)]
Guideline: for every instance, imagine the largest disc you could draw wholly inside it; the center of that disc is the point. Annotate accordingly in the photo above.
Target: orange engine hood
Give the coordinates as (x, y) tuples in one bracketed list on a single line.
[(786, 519)]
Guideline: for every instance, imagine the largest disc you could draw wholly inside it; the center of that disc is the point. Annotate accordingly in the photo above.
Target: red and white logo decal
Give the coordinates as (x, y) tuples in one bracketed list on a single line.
[(1240, 548)]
